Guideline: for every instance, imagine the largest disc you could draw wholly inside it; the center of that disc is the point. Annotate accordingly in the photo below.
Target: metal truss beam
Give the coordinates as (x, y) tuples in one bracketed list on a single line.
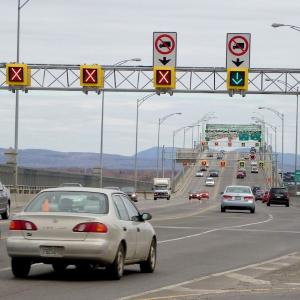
[(139, 79)]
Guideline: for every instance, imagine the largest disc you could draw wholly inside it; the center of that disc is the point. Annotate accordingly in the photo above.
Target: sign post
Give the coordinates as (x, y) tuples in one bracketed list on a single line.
[(164, 60), (237, 62)]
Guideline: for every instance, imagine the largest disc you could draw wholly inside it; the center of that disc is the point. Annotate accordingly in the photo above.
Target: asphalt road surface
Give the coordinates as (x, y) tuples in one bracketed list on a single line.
[(201, 252)]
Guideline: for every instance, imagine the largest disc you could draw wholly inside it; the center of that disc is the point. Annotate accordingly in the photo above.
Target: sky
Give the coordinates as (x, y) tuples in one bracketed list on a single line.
[(108, 31)]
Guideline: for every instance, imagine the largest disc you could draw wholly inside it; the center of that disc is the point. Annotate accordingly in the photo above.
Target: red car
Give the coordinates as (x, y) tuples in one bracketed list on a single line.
[(194, 195), (204, 195), (265, 198)]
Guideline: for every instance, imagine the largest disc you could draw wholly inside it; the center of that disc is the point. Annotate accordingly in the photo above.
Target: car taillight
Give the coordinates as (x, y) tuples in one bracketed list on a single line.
[(22, 225), (286, 194), (248, 198), (91, 227), (227, 197)]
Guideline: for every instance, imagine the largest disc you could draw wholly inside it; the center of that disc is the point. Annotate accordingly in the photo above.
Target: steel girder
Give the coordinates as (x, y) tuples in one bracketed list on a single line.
[(139, 79)]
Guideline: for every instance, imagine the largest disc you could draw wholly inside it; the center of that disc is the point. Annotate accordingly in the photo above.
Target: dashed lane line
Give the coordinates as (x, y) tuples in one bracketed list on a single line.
[(247, 279), (195, 280), (214, 230)]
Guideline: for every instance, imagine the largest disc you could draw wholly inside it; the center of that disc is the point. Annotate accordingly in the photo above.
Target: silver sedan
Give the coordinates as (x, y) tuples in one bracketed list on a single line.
[(85, 227), (238, 197)]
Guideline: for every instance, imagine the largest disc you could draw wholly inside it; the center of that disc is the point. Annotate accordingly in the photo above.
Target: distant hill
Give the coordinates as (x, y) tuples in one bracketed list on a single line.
[(40, 158)]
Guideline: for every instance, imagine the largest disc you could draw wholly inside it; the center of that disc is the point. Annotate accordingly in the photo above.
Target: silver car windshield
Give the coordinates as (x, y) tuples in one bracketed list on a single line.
[(68, 201), (238, 189)]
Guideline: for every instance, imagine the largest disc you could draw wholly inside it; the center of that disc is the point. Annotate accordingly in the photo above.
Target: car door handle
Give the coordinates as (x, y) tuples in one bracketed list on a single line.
[(125, 228), (138, 229)]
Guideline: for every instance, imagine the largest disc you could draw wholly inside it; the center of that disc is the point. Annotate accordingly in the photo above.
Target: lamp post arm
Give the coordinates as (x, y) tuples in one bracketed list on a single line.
[(280, 115), (21, 6)]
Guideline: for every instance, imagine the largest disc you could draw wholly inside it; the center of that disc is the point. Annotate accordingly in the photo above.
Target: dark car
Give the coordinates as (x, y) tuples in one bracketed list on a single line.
[(255, 188), (213, 173), (240, 175), (131, 193), (4, 202), (259, 194), (243, 170), (279, 195)]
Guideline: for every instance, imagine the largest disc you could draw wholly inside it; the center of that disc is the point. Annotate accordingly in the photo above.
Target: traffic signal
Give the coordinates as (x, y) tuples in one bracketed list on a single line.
[(261, 164), (203, 163), (91, 76), (243, 145), (164, 78), (18, 75), (242, 164), (222, 163), (237, 79), (256, 144), (216, 143)]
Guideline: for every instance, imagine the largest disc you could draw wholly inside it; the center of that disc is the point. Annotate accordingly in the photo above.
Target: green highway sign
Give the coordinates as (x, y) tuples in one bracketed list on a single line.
[(244, 136), (297, 176)]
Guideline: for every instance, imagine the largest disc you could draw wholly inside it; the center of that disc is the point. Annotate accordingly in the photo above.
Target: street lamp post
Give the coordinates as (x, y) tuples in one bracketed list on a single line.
[(102, 119), (20, 6), (276, 25), (297, 123), (263, 135), (275, 130), (139, 102), (160, 121), (281, 116)]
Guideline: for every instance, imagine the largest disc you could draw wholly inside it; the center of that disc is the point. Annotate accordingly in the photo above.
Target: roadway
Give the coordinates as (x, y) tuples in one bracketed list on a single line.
[(201, 252)]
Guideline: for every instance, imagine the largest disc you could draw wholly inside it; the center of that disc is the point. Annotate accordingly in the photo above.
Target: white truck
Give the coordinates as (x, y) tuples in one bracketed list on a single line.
[(162, 188)]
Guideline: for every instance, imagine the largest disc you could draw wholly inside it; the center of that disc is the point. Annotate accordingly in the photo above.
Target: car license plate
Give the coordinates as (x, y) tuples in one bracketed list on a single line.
[(278, 195), (51, 251), (237, 198)]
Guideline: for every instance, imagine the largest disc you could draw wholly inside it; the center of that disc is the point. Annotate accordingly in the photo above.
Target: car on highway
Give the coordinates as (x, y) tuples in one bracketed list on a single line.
[(199, 173), (253, 163), (203, 169), (4, 202), (204, 195), (240, 175), (255, 188), (194, 195), (210, 154), (259, 194), (252, 150), (209, 181), (243, 170), (265, 197), (130, 192), (278, 195), (85, 227), (237, 197), (219, 156), (213, 173), (254, 169), (246, 156)]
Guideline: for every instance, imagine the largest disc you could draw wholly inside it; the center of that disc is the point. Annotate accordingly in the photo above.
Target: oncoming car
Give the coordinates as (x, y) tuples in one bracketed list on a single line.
[(85, 227), (238, 197)]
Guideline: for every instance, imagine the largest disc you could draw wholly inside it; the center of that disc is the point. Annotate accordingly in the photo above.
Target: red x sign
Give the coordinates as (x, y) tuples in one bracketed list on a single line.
[(16, 74), (90, 76), (163, 77)]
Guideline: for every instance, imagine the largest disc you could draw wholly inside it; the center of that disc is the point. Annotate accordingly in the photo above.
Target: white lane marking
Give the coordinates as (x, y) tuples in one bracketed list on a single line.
[(293, 283), (281, 264), (248, 279), (262, 230), (172, 286), (265, 268), (214, 230)]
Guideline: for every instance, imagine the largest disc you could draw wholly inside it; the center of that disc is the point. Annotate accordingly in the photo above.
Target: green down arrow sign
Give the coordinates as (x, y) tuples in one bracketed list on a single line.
[(237, 78)]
